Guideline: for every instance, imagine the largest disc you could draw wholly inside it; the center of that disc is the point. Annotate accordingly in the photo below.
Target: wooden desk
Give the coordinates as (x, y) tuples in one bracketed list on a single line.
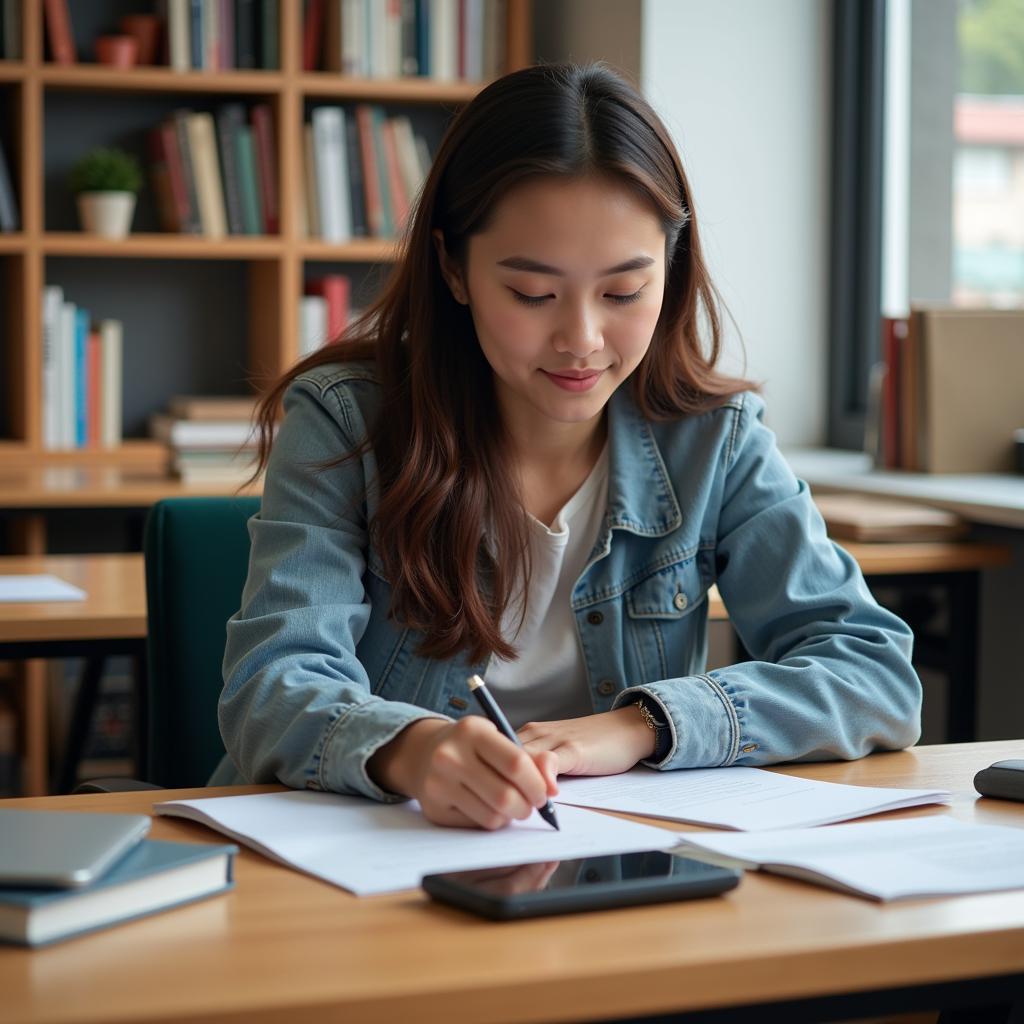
[(111, 620), (285, 947)]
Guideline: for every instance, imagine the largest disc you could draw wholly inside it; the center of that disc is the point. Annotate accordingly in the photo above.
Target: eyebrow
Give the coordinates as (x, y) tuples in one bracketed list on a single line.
[(536, 267)]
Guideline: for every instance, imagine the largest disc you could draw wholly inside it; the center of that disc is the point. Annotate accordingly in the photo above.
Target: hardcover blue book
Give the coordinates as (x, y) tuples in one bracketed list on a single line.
[(81, 376), (154, 875)]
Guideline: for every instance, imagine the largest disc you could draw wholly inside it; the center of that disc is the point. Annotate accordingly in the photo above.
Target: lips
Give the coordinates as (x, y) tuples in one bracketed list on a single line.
[(573, 380)]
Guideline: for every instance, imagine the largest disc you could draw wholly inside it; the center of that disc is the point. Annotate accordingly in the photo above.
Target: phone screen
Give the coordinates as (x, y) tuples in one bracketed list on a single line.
[(556, 876)]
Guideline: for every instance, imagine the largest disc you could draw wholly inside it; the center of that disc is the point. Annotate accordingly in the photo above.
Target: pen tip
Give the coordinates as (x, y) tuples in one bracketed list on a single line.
[(475, 682)]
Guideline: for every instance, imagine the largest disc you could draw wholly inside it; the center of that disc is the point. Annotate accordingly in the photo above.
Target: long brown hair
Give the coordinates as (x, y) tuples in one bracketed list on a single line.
[(444, 469)]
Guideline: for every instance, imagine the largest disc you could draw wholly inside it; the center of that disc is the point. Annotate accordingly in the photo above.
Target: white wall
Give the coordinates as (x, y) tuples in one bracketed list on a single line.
[(743, 86)]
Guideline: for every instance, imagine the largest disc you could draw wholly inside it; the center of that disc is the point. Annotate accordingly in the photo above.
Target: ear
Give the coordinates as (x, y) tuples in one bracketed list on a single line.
[(450, 270)]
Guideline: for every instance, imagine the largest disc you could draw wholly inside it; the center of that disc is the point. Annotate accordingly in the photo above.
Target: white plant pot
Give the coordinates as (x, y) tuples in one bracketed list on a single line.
[(106, 213)]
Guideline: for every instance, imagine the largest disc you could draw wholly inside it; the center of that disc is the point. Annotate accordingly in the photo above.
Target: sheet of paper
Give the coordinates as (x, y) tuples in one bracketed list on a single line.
[(368, 847), (747, 799), (41, 587), (886, 860)]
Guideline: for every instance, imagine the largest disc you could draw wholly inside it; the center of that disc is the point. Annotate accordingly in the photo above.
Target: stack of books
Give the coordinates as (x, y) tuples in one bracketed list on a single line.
[(439, 39), (363, 172), (946, 395), (213, 440), (216, 174), (324, 311), (63, 873), (82, 376)]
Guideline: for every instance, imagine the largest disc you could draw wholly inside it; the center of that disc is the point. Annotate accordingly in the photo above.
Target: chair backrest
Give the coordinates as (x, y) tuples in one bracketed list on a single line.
[(197, 557)]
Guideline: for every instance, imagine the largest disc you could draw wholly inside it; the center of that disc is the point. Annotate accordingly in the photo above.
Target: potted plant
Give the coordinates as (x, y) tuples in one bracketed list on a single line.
[(105, 182)]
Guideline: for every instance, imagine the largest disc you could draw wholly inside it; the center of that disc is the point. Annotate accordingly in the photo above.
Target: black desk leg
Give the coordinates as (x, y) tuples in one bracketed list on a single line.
[(962, 710), (81, 720)]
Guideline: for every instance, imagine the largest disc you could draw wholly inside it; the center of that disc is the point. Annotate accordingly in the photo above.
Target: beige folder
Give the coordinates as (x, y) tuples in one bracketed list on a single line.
[(971, 396)]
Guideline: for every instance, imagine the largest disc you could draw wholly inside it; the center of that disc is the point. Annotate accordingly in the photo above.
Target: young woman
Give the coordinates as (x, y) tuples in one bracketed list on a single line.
[(523, 463)]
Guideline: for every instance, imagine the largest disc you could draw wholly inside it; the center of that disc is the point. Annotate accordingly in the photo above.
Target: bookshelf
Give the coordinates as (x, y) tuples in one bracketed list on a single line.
[(268, 270)]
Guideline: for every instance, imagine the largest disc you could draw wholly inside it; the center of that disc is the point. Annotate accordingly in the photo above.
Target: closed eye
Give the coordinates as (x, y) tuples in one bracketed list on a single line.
[(539, 300)]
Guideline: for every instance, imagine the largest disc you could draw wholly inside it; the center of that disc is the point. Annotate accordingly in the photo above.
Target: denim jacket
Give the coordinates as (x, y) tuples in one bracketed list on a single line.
[(317, 677)]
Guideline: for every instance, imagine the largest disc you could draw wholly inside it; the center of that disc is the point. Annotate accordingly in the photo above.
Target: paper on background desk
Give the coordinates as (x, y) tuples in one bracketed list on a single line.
[(885, 860), (368, 847), (747, 799), (40, 587)]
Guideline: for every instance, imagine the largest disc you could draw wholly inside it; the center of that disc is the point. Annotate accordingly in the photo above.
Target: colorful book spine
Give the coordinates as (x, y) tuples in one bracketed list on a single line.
[(266, 157), (112, 389), (248, 181), (80, 381), (230, 118), (58, 32)]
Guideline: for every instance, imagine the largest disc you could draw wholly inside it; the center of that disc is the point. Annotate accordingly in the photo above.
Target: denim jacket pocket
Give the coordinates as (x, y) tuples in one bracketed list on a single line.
[(670, 593), (664, 637)]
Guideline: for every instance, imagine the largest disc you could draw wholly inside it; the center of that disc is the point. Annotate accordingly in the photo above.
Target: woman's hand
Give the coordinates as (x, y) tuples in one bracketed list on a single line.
[(604, 744), (465, 773)]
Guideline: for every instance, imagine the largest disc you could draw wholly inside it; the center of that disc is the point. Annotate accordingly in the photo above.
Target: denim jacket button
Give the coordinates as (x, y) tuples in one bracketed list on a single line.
[(606, 687), (680, 601), (595, 618)]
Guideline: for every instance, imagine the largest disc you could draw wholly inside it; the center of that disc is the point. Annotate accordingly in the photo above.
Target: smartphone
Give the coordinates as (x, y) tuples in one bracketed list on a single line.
[(570, 886)]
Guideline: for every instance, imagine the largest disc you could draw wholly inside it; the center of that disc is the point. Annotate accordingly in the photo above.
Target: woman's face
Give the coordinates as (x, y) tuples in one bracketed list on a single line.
[(565, 288)]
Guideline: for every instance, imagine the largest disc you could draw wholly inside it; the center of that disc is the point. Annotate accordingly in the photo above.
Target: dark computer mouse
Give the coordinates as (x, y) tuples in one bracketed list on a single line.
[(1003, 780)]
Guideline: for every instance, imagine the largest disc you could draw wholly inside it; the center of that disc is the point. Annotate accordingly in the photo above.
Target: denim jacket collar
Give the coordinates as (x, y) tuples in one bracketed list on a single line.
[(641, 498)]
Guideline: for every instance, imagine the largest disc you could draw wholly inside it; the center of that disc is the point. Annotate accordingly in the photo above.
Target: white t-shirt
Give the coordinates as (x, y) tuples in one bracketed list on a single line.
[(548, 681)]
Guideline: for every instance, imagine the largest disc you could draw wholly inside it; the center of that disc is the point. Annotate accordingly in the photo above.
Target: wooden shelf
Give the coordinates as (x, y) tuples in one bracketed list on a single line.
[(143, 453), (387, 90), (271, 268), (162, 246), (359, 250), (103, 79)]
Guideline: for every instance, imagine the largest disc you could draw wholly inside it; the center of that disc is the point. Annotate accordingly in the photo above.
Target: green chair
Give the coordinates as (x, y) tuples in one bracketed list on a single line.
[(197, 557)]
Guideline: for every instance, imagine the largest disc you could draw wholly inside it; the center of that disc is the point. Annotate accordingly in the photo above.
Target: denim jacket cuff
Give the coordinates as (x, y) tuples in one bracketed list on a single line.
[(701, 717), (358, 733)]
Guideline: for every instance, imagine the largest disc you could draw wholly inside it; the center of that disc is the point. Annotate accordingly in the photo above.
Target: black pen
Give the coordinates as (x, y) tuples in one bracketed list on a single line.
[(490, 708)]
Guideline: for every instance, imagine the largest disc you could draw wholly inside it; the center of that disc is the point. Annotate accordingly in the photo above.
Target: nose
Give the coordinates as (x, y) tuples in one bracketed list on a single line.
[(579, 331)]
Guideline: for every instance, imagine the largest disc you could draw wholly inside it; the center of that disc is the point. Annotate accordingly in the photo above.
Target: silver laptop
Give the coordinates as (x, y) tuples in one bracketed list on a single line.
[(64, 849)]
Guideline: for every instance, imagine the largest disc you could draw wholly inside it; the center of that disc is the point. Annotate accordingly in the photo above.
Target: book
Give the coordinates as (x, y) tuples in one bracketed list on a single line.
[(93, 388), (58, 32), (867, 518), (112, 390), (246, 56), (370, 173), (209, 187), (248, 181), (155, 875), (970, 388), (312, 35), (53, 299), (202, 433), (264, 141), (882, 860), (335, 290), (9, 219), (356, 191), (179, 43), (332, 198), (312, 323), (184, 149), (269, 44), (230, 118), (213, 407), (312, 206)]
